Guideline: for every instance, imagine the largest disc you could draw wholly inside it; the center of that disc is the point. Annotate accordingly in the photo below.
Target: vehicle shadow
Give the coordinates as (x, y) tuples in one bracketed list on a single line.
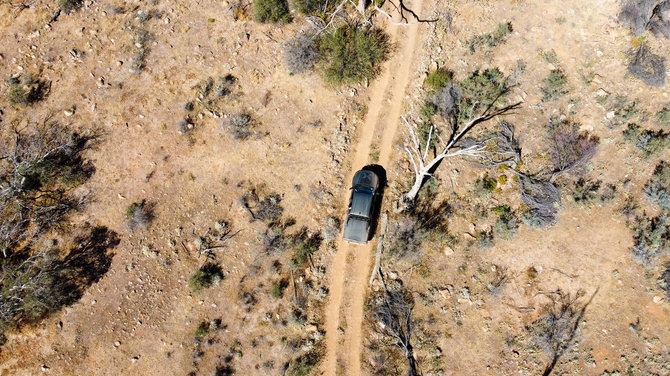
[(376, 209)]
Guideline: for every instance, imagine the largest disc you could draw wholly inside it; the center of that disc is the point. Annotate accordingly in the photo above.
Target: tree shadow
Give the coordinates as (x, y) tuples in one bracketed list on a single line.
[(376, 209), (84, 265), (39, 285)]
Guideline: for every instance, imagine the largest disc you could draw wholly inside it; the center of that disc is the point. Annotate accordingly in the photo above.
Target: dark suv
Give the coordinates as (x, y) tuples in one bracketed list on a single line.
[(361, 204)]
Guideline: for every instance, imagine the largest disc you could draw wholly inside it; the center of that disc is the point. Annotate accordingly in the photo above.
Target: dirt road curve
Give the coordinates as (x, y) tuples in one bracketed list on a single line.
[(349, 274)]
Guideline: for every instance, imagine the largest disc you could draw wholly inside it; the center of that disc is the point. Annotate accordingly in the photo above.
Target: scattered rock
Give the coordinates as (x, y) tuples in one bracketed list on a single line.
[(117, 343), (68, 113), (135, 359), (448, 251), (45, 367)]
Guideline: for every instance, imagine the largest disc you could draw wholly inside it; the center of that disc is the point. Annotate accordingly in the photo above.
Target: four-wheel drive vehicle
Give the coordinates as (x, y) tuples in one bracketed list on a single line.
[(361, 204)]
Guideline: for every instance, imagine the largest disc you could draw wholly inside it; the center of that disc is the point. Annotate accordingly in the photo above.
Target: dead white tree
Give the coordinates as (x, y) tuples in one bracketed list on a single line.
[(456, 145)]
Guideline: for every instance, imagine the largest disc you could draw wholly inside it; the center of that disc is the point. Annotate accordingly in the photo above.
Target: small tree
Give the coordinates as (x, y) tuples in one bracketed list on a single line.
[(555, 331), (569, 147), (476, 99)]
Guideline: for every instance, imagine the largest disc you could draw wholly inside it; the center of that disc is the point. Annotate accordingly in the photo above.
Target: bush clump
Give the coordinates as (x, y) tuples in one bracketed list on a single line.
[(208, 275), (648, 141), (568, 146), (239, 126), (437, 79), (26, 89), (657, 189), (352, 54), (300, 54), (651, 238), (70, 5), (554, 85), (490, 40), (138, 214), (663, 116), (316, 7), (275, 11)]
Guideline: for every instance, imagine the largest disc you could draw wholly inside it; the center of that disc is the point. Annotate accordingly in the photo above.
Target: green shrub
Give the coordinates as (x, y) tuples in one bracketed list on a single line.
[(657, 189), (648, 141), (585, 191), (202, 329), (315, 7), (484, 186), (304, 365), (428, 110), (651, 237), (275, 11), (663, 116), (437, 79), (502, 209), (352, 54), (70, 5), (554, 85), (208, 275), (490, 40), (26, 90), (277, 289)]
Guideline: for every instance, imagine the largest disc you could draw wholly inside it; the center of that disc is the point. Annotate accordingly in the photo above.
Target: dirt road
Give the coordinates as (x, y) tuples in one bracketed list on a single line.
[(350, 268)]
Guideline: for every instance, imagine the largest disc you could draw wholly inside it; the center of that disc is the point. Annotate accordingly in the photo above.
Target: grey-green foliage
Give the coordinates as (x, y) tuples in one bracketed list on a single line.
[(490, 40), (651, 239), (657, 189), (300, 54), (648, 141)]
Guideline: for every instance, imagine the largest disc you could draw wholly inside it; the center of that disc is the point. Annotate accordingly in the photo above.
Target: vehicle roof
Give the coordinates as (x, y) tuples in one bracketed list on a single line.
[(361, 202), (355, 229), (367, 179)]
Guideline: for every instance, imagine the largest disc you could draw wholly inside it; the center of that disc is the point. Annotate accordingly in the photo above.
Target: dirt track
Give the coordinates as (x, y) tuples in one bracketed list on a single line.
[(348, 284)]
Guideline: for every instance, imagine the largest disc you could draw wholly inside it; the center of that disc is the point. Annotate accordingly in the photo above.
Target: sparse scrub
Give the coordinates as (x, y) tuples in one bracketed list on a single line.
[(68, 6), (141, 40), (664, 280), (275, 11), (300, 54), (239, 126), (549, 56), (427, 111), (651, 238), (139, 214), (585, 191), (225, 85), (554, 85), (304, 365), (624, 110), (506, 225), (208, 275), (657, 189), (352, 54), (648, 141), (491, 40), (26, 90), (663, 115), (402, 241)]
